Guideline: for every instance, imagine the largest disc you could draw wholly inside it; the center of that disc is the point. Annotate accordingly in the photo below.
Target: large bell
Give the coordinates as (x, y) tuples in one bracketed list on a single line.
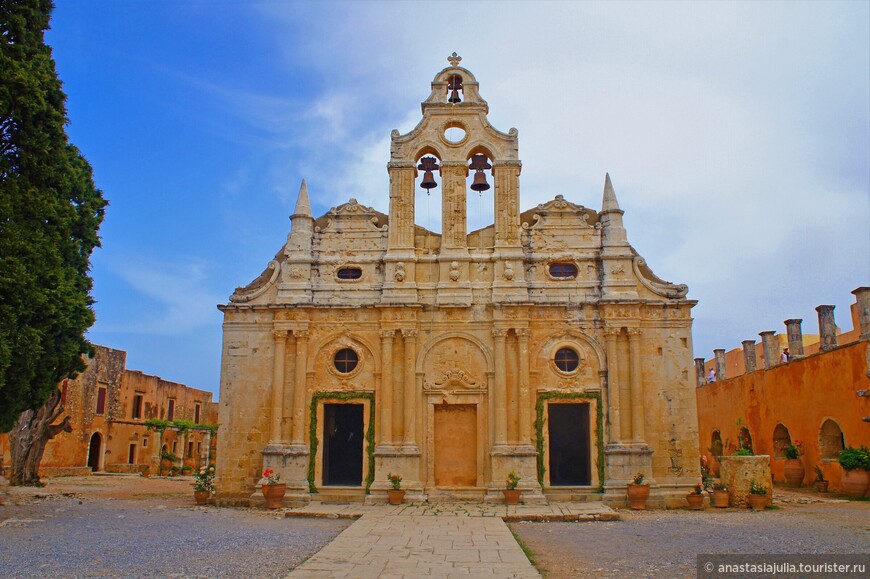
[(478, 164), (455, 86), (479, 183), (427, 165), (428, 181), (454, 97)]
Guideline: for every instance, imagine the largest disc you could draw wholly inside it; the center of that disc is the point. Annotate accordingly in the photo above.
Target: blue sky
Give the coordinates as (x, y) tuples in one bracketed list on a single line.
[(737, 136)]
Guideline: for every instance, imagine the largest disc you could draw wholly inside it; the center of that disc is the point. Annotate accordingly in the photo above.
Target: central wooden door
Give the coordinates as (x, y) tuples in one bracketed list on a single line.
[(455, 445)]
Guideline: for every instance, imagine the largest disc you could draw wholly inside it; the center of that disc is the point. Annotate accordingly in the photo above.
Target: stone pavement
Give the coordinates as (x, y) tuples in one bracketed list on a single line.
[(432, 540)]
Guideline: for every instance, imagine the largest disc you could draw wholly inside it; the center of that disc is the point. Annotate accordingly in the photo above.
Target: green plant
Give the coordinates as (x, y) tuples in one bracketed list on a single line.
[(820, 476), (270, 477), (851, 458), (541, 404), (167, 455), (706, 477), (699, 489), (720, 486), (756, 489), (204, 480), (792, 450), (156, 424), (512, 481), (186, 469), (744, 452), (639, 479), (395, 481)]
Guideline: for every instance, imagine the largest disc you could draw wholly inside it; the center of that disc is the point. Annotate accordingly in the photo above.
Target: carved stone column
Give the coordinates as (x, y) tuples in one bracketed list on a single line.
[(278, 386), (795, 337), (299, 388), (524, 422), (507, 200), (410, 397), (700, 377), (769, 348), (386, 398), (453, 205), (401, 232), (721, 367), (637, 413), (827, 328), (500, 390), (610, 335), (750, 361)]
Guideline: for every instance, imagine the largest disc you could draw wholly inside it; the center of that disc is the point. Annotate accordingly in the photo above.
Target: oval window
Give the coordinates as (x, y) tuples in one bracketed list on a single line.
[(454, 134), (349, 273), (563, 270), (567, 360), (345, 360)]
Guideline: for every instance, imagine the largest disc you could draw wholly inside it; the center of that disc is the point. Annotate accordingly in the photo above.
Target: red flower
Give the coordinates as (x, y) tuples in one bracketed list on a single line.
[(268, 473)]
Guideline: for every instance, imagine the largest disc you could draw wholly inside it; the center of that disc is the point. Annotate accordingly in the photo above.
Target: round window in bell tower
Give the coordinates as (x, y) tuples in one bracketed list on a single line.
[(454, 133)]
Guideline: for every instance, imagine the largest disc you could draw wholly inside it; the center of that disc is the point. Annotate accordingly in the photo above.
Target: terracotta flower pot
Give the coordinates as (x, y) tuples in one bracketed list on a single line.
[(511, 496), (395, 496), (274, 495), (822, 486), (696, 501), (794, 472), (758, 502), (720, 499), (855, 482), (637, 496), (201, 497)]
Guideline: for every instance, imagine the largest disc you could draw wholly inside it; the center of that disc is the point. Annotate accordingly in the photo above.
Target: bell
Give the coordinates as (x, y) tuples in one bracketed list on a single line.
[(479, 163), (427, 165), (455, 86), (428, 181), (479, 183), (454, 97)]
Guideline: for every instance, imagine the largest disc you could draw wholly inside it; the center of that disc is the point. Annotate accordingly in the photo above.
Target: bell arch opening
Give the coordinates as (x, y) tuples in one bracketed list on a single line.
[(480, 187), (428, 190)]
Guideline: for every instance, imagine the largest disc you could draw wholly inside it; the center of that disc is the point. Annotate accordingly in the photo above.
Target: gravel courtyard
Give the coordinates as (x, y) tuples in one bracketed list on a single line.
[(122, 526)]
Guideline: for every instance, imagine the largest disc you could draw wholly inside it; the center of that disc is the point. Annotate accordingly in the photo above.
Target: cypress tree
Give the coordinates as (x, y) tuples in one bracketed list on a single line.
[(50, 214)]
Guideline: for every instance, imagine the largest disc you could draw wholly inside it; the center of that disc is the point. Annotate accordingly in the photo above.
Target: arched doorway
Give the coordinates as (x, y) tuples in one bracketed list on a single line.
[(94, 451)]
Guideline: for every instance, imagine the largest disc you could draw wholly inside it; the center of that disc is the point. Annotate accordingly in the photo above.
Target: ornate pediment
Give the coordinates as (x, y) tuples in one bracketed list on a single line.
[(352, 216), (453, 380), (559, 209)]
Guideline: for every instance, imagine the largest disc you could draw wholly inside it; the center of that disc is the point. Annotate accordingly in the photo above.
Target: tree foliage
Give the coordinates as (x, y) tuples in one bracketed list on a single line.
[(50, 213)]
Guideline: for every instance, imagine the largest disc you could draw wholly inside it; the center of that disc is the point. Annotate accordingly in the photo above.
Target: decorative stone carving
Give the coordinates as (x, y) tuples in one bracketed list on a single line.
[(455, 379), (454, 271), (400, 272)]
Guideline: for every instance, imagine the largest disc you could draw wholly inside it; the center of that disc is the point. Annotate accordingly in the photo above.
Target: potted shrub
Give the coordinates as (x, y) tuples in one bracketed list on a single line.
[(273, 489), (203, 485), (395, 494), (511, 492), (821, 483), (720, 495), (638, 492), (794, 468), (696, 498), (855, 463), (757, 496)]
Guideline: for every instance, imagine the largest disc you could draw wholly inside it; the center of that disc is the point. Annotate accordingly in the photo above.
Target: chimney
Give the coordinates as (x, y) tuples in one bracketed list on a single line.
[(862, 298), (795, 337), (749, 358), (770, 347), (827, 328), (699, 372), (720, 364)]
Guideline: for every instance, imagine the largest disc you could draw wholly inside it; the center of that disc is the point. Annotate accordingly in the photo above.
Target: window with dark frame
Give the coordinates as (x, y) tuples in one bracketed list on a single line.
[(196, 408), (137, 406), (170, 411), (566, 360), (563, 270), (101, 400), (349, 273), (345, 360)]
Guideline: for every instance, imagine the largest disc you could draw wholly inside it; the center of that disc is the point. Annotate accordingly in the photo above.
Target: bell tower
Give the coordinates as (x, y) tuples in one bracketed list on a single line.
[(455, 103)]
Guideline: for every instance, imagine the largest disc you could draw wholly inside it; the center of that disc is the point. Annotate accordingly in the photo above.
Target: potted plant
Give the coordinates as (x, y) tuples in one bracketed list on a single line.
[(696, 498), (720, 495), (757, 496), (638, 492), (395, 494), (511, 492), (794, 468), (203, 485), (855, 463), (273, 490), (821, 483)]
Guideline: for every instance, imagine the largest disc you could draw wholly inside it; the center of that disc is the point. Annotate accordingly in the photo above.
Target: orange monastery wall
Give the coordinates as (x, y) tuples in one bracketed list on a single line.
[(800, 395)]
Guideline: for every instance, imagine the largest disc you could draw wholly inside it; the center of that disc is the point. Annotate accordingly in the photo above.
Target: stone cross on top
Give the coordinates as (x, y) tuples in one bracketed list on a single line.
[(454, 60)]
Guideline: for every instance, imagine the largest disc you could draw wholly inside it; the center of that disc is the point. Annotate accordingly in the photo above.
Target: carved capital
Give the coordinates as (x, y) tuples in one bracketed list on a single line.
[(409, 334), (301, 334), (612, 332), (394, 165), (634, 333), (279, 335), (499, 333), (522, 333), (386, 334)]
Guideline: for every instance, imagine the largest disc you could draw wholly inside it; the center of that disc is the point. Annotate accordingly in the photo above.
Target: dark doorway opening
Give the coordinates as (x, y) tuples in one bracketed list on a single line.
[(342, 444), (570, 463), (94, 451)]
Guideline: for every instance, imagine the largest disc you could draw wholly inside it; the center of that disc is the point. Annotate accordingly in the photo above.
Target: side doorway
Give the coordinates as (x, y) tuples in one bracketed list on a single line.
[(343, 439), (569, 445)]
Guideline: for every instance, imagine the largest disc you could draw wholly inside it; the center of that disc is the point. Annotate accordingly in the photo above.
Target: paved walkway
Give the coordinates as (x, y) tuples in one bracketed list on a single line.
[(432, 540)]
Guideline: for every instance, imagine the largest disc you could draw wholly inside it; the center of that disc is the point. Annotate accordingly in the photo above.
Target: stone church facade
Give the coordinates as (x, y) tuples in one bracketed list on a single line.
[(541, 344)]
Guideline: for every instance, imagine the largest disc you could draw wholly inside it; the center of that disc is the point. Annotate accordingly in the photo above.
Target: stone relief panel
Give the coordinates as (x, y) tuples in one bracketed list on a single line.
[(455, 363)]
